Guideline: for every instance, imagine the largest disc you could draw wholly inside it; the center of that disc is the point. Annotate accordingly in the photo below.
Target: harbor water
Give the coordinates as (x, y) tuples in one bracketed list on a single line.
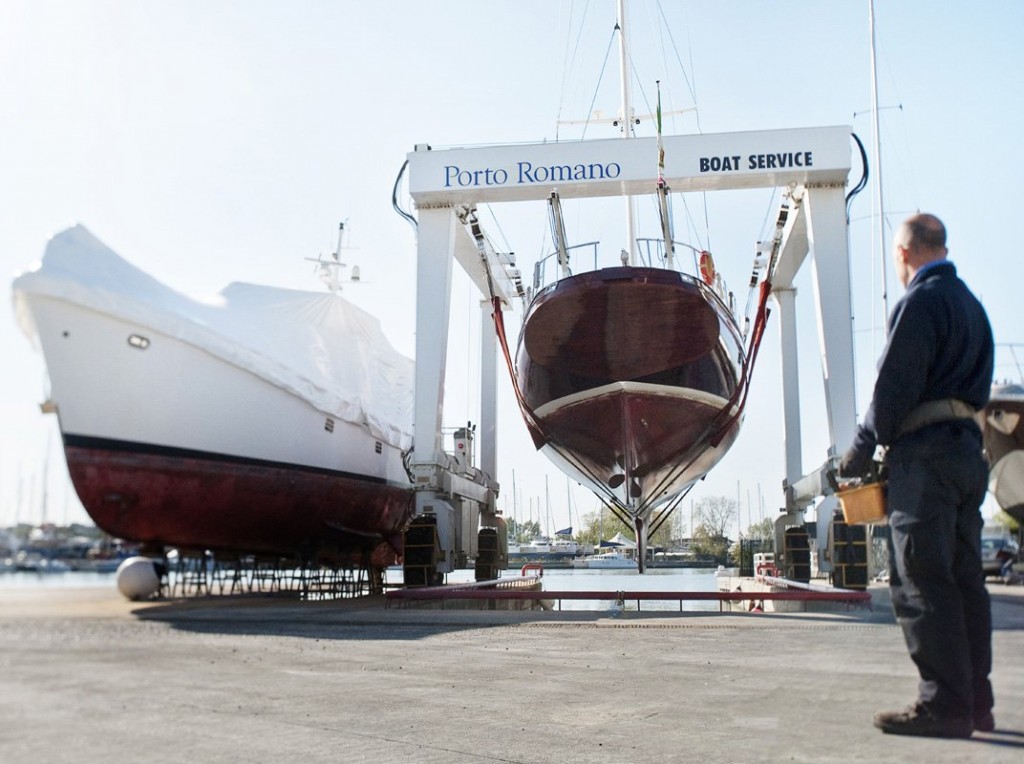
[(18, 579), (612, 581), (559, 579)]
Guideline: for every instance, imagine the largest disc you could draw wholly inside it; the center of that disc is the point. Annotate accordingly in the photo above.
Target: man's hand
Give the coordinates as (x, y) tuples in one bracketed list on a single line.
[(855, 463)]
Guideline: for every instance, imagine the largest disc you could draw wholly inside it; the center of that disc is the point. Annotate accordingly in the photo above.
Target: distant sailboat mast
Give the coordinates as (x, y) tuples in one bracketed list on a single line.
[(46, 479), (877, 151), (547, 509), (569, 505)]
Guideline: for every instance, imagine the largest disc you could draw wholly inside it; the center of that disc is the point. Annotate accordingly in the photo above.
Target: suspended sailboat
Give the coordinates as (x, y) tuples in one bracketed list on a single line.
[(632, 378)]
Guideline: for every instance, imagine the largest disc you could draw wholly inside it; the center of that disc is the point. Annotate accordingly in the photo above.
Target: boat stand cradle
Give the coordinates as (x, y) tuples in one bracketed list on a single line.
[(202, 574)]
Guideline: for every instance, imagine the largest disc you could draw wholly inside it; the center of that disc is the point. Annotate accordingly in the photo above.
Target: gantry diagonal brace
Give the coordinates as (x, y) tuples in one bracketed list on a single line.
[(494, 273)]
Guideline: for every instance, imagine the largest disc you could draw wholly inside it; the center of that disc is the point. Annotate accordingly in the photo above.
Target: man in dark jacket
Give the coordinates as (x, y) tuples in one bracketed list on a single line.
[(934, 375)]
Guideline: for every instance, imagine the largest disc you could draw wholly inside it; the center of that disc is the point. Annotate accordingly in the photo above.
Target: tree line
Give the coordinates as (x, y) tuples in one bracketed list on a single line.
[(712, 519)]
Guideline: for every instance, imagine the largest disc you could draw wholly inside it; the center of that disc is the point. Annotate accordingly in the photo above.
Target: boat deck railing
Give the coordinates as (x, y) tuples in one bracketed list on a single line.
[(547, 271), (650, 253)]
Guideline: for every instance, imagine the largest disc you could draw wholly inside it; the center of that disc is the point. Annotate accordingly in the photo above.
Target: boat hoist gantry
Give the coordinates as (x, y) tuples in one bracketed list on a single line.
[(811, 164)]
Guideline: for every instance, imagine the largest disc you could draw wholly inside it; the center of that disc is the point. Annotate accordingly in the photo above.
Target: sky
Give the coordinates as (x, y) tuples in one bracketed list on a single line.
[(211, 142)]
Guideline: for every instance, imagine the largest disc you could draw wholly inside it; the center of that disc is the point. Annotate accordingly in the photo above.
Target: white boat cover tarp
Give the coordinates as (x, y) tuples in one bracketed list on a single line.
[(318, 346)]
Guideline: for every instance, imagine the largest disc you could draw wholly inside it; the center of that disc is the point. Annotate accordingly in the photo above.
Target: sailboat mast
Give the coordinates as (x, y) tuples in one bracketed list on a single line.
[(666, 219), (627, 119), (877, 151), (547, 506), (515, 508), (46, 478), (568, 504)]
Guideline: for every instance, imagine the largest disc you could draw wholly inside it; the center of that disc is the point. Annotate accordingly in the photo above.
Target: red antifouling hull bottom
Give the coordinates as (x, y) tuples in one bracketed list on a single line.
[(201, 501)]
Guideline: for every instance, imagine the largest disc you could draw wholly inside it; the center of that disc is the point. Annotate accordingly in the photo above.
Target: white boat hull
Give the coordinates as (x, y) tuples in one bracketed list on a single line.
[(605, 562), (179, 433)]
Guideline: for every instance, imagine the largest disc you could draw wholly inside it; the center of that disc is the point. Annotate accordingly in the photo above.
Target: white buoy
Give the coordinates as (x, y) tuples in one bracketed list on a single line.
[(137, 578)]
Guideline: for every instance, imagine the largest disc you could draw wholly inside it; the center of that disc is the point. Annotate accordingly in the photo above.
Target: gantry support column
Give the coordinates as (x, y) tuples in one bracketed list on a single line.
[(786, 300), (827, 235), (434, 262), (488, 438)]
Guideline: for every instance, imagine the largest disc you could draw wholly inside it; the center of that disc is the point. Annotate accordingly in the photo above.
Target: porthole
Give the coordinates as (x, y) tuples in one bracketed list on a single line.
[(138, 342)]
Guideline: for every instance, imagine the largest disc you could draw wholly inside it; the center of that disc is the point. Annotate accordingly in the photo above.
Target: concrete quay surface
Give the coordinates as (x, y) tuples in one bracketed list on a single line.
[(86, 676)]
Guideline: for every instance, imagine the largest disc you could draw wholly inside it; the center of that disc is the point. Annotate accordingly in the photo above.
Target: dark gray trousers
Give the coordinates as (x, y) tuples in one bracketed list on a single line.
[(937, 482)]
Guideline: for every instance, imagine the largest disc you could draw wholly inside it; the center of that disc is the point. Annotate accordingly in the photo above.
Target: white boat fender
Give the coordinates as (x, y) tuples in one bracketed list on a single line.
[(137, 578)]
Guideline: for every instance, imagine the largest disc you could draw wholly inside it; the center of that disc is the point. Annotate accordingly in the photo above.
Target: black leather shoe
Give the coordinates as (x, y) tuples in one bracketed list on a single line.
[(985, 722), (917, 720)]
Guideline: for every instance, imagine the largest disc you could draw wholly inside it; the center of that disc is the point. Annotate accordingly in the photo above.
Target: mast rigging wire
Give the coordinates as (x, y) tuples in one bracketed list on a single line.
[(675, 49), (568, 63), (607, 53)]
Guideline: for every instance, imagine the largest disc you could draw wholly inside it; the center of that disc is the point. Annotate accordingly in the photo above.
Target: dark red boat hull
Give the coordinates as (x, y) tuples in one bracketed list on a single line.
[(646, 438), (630, 374), (192, 500)]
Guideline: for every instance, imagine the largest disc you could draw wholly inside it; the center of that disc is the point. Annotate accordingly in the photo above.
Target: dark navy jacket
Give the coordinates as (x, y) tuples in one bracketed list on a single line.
[(940, 346)]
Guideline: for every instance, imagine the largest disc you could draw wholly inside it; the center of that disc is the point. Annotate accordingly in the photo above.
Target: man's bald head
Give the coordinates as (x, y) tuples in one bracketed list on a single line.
[(920, 239)]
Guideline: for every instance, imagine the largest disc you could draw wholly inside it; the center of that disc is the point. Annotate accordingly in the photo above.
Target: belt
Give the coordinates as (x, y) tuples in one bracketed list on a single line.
[(933, 412)]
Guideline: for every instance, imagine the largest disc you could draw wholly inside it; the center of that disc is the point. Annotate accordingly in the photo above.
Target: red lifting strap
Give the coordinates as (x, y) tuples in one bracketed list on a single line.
[(532, 425), (756, 335)]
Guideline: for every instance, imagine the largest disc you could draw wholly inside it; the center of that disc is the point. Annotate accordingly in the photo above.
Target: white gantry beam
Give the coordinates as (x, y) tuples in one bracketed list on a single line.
[(710, 162)]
